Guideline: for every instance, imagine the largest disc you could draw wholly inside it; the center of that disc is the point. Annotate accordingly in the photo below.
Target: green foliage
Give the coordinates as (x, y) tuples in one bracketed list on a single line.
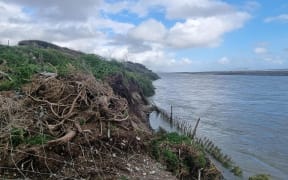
[(236, 171), (175, 138), (172, 162), (165, 148), (260, 177), (17, 136), (24, 61), (7, 85), (100, 67), (20, 136), (38, 139), (123, 178), (144, 82), (82, 121), (198, 161)]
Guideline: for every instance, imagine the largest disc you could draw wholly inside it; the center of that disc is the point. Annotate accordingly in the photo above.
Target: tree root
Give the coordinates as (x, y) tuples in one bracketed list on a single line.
[(64, 139)]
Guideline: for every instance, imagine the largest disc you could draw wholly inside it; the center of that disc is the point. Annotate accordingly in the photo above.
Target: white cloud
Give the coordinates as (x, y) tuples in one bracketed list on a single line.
[(205, 22), (263, 53), (150, 30), (64, 10), (88, 26), (260, 50), (195, 8), (251, 5), (224, 60), (280, 18), (274, 59), (204, 32)]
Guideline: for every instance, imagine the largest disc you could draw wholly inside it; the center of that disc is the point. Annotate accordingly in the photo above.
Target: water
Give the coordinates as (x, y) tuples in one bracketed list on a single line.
[(246, 116)]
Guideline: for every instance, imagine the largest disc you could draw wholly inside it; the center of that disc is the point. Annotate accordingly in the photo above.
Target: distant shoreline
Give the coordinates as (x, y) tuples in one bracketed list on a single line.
[(251, 73)]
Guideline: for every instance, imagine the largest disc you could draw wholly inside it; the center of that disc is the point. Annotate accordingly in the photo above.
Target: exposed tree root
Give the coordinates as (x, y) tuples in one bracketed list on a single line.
[(64, 139)]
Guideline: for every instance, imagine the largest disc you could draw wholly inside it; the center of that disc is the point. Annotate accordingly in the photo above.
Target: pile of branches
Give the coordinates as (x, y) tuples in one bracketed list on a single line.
[(65, 127)]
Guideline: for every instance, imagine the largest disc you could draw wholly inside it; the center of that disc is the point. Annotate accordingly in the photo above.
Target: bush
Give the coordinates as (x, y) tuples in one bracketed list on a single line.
[(171, 160), (237, 171)]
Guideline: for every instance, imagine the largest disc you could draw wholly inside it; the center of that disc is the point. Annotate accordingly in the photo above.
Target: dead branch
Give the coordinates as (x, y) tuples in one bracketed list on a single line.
[(79, 129), (6, 75), (119, 120), (64, 139)]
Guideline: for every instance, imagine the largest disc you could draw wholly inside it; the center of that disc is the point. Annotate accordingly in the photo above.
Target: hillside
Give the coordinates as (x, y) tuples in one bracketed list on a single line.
[(70, 115), (31, 57)]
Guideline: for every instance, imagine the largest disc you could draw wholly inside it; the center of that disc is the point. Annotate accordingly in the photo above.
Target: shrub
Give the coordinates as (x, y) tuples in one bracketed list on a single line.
[(237, 171), (171, 160)]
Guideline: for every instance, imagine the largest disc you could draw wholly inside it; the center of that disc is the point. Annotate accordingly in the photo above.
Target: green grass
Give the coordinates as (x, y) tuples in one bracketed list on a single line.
[(21, 62), (165, 148), (171, 160), (20, 136), (38, 139)]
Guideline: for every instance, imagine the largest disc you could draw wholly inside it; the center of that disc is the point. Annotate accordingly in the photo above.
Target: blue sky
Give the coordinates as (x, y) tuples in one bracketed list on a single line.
[(165, 35)]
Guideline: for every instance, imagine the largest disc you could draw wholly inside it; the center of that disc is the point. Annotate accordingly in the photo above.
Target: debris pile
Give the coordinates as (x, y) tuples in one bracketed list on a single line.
[(74, 127)]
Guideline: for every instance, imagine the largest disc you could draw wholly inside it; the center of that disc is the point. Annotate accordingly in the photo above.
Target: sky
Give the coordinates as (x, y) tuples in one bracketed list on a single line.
[(164, 35)]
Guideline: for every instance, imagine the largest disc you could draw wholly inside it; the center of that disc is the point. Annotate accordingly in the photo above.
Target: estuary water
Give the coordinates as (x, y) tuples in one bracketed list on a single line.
[(246, 116)]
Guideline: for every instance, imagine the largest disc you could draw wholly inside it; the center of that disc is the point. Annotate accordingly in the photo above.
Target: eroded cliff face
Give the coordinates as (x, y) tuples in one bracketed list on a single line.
[(138, 104)]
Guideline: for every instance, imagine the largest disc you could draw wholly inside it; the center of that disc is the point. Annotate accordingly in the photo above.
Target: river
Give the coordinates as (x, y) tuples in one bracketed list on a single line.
[(246, 116)]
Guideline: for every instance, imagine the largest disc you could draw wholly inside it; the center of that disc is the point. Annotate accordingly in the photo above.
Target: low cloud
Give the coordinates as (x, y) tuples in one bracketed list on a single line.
[(260, 50), (150, 30), (224, 60), (280, 18)]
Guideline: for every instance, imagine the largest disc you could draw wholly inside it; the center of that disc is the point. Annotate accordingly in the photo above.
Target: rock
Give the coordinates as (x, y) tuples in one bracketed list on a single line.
[(144, 174), (152, 172), (138, 138)]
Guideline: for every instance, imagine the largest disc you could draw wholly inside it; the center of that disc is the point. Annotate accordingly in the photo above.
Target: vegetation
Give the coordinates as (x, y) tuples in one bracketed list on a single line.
[(260, 177), (19, 63), (181, 155), (202, 143), (20, 136)]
